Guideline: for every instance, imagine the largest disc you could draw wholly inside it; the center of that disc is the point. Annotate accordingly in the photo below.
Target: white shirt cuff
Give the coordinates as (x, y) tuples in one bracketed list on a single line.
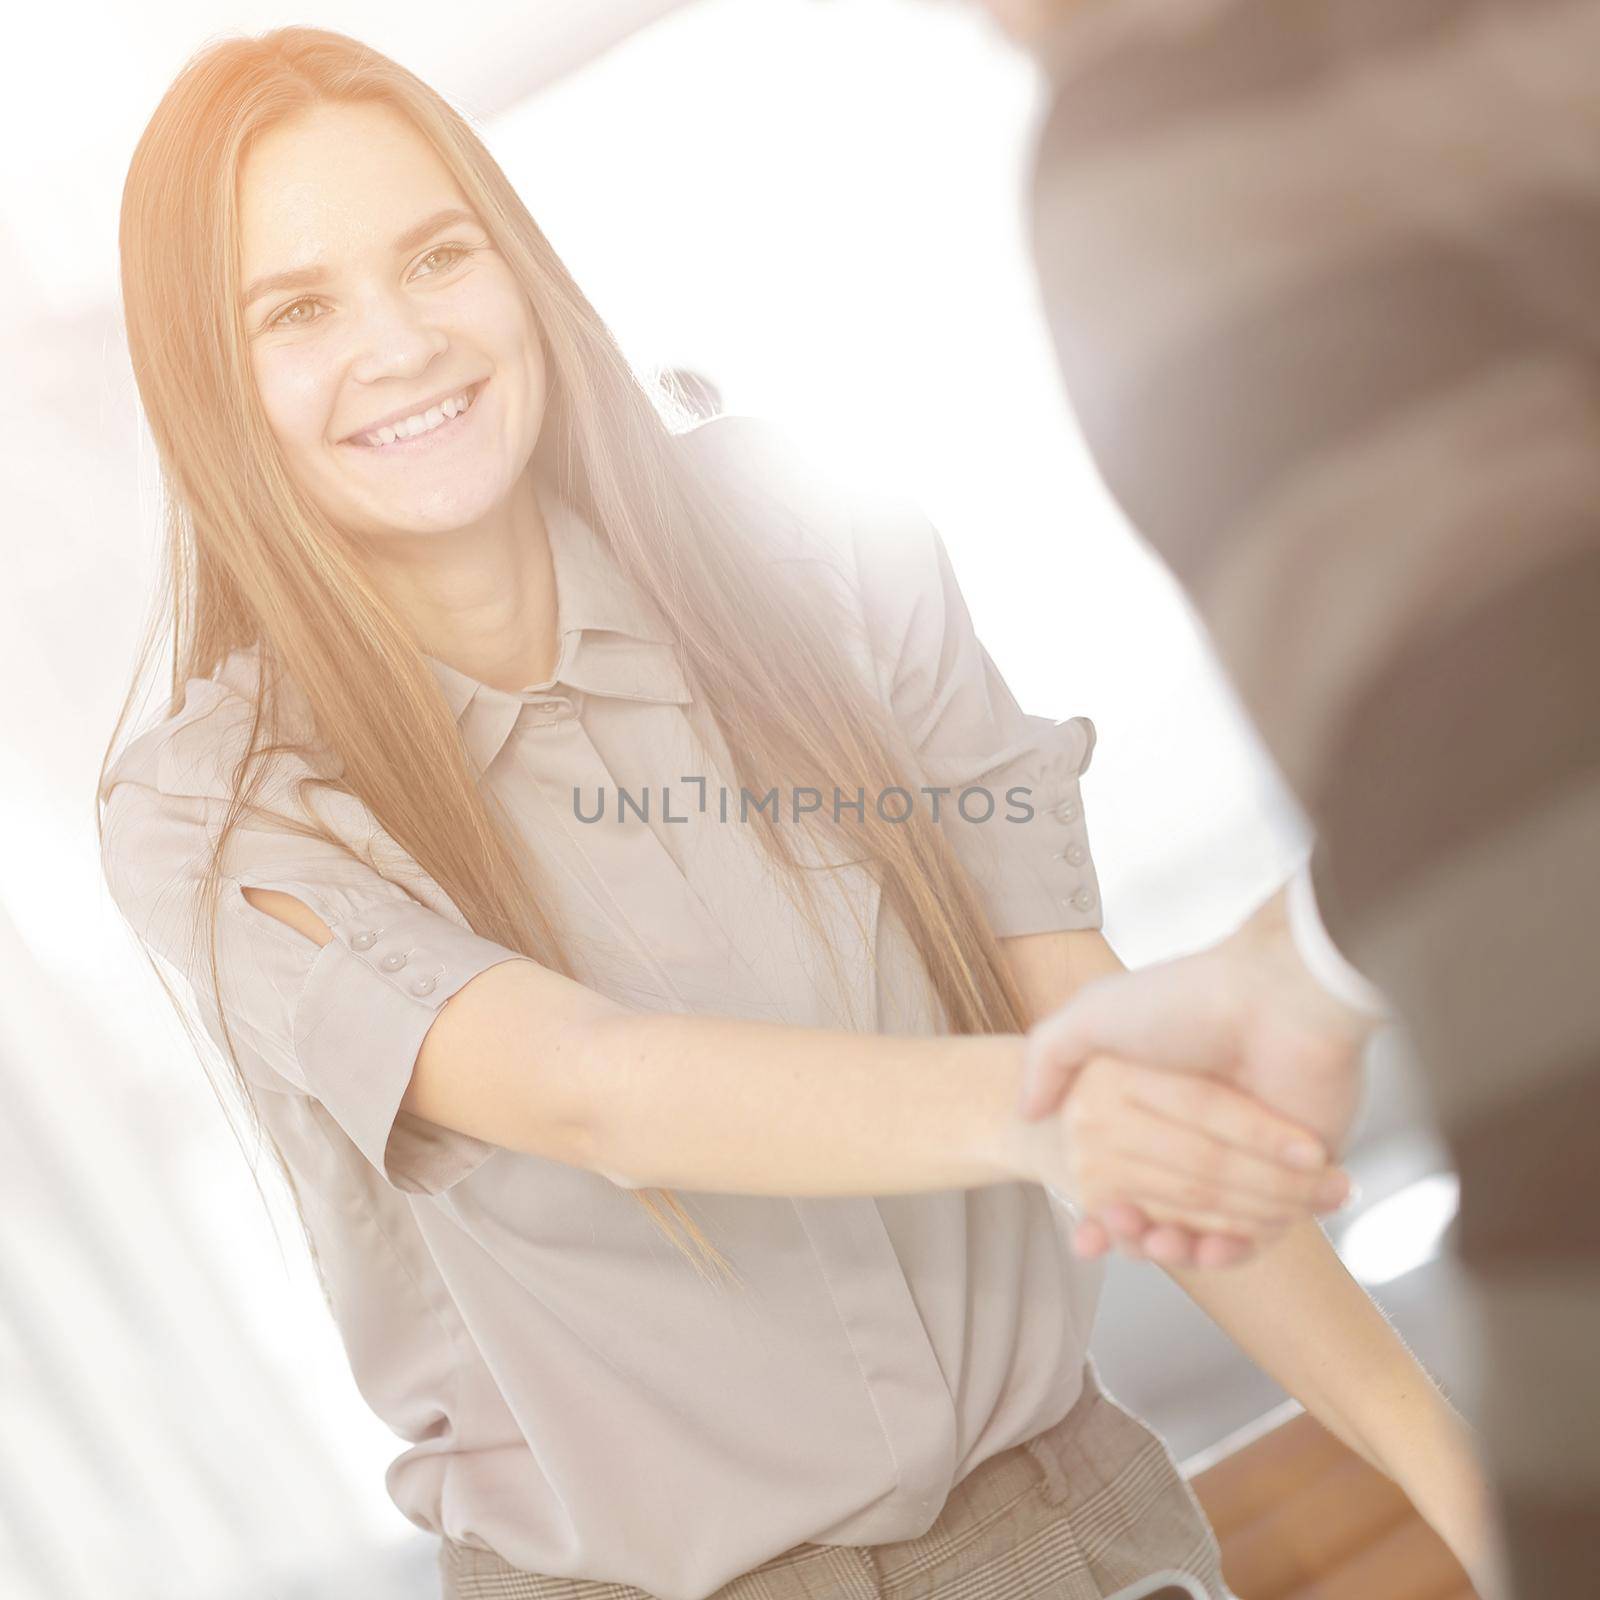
[(1321, 956)]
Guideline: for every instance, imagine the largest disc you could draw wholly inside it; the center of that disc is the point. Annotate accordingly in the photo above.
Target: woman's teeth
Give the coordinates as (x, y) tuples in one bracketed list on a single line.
[(422, 422)]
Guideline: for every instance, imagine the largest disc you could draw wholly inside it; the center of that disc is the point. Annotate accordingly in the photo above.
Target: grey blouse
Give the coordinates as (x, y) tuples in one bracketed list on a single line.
[(576, 1397)]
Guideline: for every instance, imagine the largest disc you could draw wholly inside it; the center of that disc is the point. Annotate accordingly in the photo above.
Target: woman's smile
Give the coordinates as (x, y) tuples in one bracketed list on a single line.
[(442, 423)]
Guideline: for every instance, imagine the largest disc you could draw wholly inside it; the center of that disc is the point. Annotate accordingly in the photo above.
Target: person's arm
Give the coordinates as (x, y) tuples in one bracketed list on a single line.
[(525, 1058), (723, 1104), (1319, 955), (1355, 1375), (1300, 1316)]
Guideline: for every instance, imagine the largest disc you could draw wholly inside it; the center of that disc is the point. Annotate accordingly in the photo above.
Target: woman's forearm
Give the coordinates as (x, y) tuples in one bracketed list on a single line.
[(1300, 1316), (527, 1058), (725, 1105), (1305, 1321)]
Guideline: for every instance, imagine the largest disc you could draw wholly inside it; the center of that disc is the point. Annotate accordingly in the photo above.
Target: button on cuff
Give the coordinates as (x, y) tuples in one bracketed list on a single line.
[(424, 956)]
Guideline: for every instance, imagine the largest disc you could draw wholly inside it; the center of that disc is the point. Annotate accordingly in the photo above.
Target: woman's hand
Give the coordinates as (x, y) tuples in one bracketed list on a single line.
[(1186, 1149), (1246, 1011)]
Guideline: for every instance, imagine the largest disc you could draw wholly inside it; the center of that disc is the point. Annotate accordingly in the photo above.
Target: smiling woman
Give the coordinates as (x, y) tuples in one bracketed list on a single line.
[(399, 324), (439, 562)]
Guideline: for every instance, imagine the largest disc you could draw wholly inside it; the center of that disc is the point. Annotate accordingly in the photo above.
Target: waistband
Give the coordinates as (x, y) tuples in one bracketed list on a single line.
[(1067, 1463)]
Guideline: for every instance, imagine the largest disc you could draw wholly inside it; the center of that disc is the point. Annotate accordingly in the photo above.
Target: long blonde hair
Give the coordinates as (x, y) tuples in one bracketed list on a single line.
[(250, 560)]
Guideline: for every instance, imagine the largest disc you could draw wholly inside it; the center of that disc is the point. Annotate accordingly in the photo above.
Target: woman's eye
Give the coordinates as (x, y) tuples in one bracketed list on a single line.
[(283, 319), (453, 250)]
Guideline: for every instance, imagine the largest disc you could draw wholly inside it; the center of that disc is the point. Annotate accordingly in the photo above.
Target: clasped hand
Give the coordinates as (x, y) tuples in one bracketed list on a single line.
[(1198, 1101), (1185, 1155)]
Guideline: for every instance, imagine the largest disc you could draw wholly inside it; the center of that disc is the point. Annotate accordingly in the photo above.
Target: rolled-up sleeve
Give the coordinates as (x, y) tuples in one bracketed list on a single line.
[(340, 1022), (1012, 806)]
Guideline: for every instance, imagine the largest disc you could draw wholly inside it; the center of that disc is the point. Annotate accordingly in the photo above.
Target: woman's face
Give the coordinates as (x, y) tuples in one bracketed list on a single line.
[(398, 310)]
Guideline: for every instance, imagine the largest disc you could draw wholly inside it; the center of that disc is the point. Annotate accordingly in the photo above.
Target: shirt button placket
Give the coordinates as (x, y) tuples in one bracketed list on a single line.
[(540, 710)]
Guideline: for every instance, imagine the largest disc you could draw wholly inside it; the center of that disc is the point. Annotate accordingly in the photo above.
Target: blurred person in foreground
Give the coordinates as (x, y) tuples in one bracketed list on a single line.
[(1321, 277)]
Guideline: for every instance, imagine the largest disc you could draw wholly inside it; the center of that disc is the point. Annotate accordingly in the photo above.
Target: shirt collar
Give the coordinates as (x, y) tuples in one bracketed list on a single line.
[(612, 640)]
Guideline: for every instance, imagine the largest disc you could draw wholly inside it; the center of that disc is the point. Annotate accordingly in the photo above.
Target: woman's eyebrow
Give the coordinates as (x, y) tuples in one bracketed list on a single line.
[(309, 277)]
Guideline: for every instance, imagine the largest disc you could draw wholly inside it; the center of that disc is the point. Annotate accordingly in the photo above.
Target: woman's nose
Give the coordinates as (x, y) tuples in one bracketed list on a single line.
[(395, 338)]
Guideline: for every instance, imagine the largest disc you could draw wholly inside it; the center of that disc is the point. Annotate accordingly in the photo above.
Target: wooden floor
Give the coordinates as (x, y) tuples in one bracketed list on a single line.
[(1301, 1517)]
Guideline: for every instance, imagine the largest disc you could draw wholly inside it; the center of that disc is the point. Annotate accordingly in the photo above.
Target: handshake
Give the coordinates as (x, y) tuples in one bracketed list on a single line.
[(1189, 1111)]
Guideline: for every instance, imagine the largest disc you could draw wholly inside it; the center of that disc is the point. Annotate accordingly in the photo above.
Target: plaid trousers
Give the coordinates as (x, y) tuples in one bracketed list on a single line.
[(1075, 1513)]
